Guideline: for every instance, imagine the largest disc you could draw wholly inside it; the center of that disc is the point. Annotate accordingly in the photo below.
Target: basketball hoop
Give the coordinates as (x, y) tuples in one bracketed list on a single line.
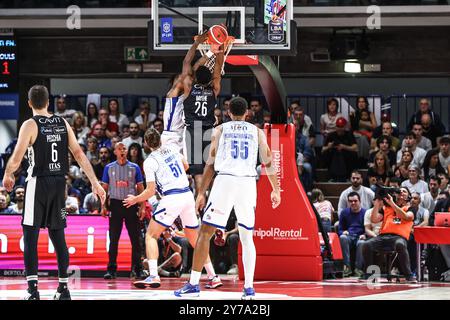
[(207, 45)]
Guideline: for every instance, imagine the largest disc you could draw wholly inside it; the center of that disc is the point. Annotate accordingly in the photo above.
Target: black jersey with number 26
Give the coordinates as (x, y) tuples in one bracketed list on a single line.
[(199, 106), (48, 156)]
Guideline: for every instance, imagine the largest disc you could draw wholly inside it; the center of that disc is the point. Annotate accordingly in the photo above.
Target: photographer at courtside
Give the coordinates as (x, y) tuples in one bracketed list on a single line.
[(397, 222)]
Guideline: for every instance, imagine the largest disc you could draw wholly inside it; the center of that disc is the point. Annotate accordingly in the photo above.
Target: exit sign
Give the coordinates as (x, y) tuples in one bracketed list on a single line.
[(136, 54)]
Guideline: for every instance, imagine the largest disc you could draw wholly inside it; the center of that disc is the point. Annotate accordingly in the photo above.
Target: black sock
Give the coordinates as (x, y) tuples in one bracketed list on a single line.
[(32, 285), (62, 286)]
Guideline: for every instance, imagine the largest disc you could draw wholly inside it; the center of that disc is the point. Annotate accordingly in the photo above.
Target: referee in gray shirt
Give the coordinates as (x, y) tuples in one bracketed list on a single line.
[(121, 178)]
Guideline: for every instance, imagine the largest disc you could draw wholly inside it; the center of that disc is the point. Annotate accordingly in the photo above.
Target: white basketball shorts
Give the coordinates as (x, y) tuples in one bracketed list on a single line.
[(174, 205), (228, 192)]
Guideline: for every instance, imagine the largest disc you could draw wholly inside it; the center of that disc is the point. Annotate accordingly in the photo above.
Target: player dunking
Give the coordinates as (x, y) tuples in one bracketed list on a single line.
[(165, 170), (173, 108), (47, 138), (200, 91), (233, 155)]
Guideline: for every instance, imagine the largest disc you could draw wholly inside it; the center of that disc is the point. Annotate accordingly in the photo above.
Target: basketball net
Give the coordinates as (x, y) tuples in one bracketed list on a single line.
[(211, 62)]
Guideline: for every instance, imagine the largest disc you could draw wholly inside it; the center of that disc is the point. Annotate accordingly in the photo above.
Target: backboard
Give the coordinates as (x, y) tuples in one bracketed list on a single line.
[(260, 27)]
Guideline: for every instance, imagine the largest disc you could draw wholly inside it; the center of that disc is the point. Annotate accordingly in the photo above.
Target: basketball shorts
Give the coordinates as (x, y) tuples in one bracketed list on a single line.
[(45, 202), (228, 192), (197, 142), (173, 138), (174, 205)]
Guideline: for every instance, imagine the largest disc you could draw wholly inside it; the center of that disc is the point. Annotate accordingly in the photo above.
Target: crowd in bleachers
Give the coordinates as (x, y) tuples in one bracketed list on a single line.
[(419, 161)]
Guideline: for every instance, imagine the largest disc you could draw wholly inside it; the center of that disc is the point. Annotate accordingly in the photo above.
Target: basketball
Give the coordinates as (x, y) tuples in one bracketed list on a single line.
[(217, 34)]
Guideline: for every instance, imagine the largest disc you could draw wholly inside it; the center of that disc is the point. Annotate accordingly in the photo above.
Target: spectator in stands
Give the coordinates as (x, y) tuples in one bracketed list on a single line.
[(91, 114), (324, 208), (19, 199), (4, 206), (61, 109), (258, 115), (384, 144), (422, 214), (158, 125), (125, 133), (442, 196), (366, 195), (381, 172), (395, 182), (91, 204), (431, 165), (267, 117), (115, 115), (444, 181), (395, 231), (340, 152), (79, 127), (224, 247), (72, 206), (372, 230), (92, 149), (305, 158), (386, 129), (134, 135), (226, 110), (401, 169), (363, 123), (135, 155), (99, 133), (430, 130), (414, 183), (145, 117), (5, 193), (328, 119), (411, 145), (444, 153), (305, 125), (74, 169), (421, 141), (250, 116), (105, 158), (83, 185), (294, 104), (435, 120), (430, 198), (111, 128), (351, 232)]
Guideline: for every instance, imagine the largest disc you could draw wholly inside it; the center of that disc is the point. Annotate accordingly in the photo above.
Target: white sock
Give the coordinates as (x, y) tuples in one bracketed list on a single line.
[(248, 255), (153, 267), (195, 277), (210, 270)]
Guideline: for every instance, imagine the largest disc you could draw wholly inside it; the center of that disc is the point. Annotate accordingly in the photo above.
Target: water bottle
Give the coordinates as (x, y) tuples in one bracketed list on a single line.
[(425, 274)]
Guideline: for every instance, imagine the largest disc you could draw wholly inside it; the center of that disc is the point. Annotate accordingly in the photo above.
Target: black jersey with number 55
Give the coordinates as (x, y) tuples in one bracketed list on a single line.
[(48, 156), (199, 106)]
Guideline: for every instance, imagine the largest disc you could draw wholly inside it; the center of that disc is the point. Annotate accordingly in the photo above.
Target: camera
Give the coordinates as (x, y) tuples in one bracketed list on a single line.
[(382, 192)]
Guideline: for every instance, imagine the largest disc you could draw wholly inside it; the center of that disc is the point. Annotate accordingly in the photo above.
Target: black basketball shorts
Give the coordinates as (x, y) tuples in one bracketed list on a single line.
[(45, 202)]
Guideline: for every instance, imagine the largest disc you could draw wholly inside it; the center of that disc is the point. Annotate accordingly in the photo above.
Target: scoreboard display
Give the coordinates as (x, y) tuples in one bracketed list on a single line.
[(8, 65)]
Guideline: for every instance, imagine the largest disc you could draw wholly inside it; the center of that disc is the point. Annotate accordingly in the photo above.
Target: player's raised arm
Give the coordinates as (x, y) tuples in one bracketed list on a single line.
[(28, 132), (187, 62), (217, 74), (84, 163), (266, 159)]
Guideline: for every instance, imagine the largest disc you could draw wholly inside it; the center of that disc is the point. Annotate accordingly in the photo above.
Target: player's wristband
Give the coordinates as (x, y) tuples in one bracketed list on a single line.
[(209, 54)]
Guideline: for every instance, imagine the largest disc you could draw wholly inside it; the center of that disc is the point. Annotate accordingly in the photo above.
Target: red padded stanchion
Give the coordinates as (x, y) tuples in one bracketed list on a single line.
[(286, 238)]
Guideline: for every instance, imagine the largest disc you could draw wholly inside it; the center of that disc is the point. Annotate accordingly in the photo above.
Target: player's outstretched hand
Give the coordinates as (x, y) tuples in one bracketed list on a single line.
[(8, 182), (98, 190), (276, 199), (129, 201), (200, 202)]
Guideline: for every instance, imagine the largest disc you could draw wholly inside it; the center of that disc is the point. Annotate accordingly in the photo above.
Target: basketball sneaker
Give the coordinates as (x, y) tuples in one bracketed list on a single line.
[(248, 294), (214, 283), (150, 282), (34, 295), (63, 295), (188, 290)]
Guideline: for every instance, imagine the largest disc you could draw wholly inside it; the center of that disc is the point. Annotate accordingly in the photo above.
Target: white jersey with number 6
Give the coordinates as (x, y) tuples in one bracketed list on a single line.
[(237, 150), (165, 167)]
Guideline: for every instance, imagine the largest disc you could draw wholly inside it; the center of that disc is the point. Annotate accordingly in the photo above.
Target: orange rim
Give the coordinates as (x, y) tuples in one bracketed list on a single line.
[(230, 39)]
